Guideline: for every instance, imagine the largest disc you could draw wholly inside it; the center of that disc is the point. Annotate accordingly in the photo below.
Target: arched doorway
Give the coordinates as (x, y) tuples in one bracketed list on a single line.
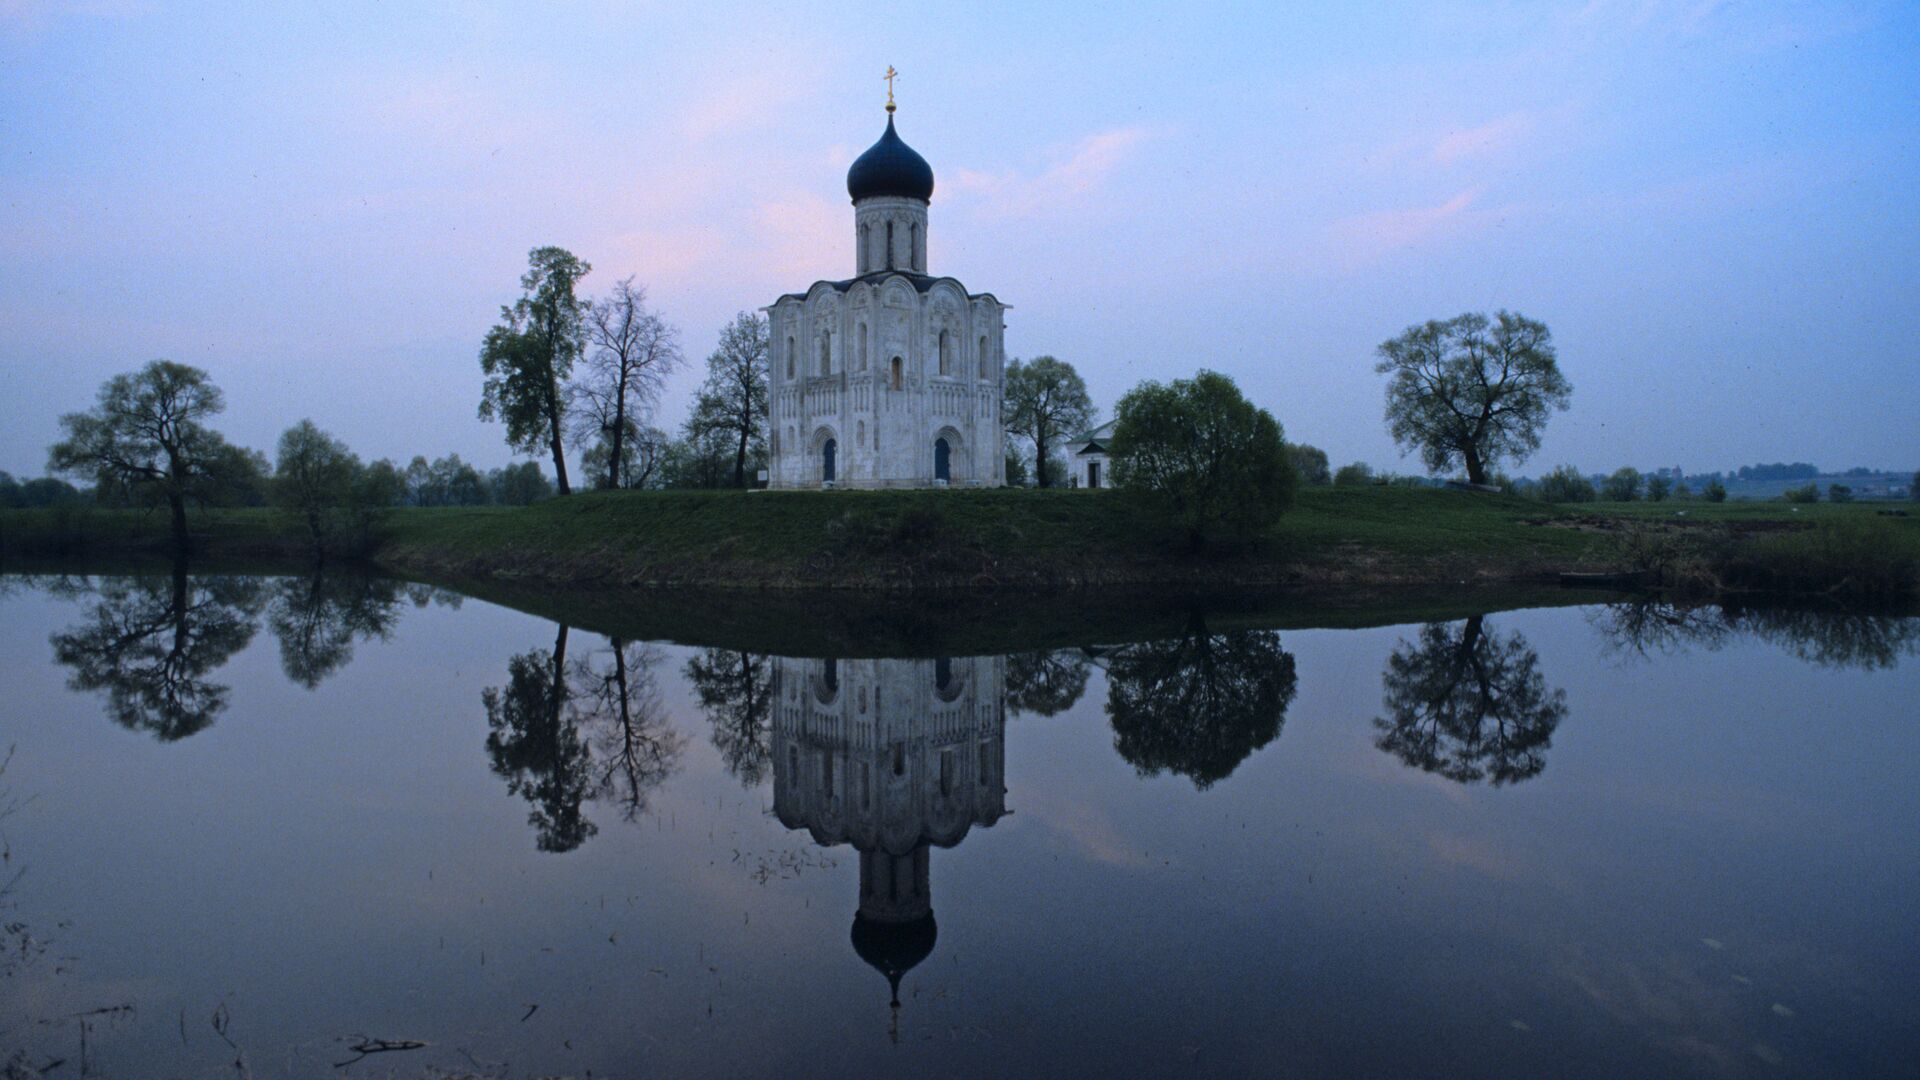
[(826, 461), (942, 460)]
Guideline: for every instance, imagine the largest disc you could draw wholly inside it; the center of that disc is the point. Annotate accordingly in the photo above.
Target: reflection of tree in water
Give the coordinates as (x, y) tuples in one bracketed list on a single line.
[(1199, 704), (152, 642), (1836, 638), (316, 620), (736, 691), (1045, 682), (620, 702), (546, 722), (1468, 704)]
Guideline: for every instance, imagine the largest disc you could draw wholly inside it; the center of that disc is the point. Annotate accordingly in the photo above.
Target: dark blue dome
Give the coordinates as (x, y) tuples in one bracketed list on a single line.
[(890, 167)]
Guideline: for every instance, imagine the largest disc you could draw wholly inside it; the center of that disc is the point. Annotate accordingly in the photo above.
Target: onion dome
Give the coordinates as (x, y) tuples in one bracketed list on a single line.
[(890, 167), (893, 949)]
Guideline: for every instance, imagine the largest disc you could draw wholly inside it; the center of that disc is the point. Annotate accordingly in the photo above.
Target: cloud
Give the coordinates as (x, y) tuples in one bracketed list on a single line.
[(1365, 238), (1083, 169), (1493, 137)]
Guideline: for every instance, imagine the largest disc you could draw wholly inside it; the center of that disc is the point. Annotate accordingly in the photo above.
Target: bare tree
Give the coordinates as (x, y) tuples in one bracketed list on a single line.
[(630, 352), (733, 401)]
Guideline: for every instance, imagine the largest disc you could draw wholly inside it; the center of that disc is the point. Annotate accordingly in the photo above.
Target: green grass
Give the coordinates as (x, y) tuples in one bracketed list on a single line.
[(1348, 536)]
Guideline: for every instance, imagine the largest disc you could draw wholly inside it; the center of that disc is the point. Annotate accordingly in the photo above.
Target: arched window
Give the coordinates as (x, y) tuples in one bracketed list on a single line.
[(913, 247), (790, 354), (826, 461), (889, 244), (863, 347), (860, 435), (986, 359), (946, 353), (899, 366), (942, 460), (826, 353), (863, 248)]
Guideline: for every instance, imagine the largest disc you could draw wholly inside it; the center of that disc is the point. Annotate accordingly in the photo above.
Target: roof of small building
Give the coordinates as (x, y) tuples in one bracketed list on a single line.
[(890, 168), (920, 282), (1098, 434)]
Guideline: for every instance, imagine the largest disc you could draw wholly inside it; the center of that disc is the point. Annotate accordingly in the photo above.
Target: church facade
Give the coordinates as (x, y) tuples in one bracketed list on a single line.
[(893, 377)]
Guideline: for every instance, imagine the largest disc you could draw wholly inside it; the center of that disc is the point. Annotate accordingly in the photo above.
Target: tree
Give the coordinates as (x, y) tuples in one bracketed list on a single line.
[(1046, 401), (1355, 475), (1839, 493), (518, 485), (1199, 704), (629, 353), (1913, 488), (1471, 390), (619, 702), (1715, 491), (146, 434), (1469, 705), (152, 644), (1623, 485), (1807, 494), (528, 357), (736, 692), (1045, 682), (733, 400), (1215, 462), (313, 480), (1309, 464), (702, 461), (534, 743), (1566, 484), (317, 619), (1659, 486)]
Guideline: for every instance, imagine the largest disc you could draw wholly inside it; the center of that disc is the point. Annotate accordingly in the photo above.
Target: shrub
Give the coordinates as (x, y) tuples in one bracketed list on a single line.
[(1565, 485), (1215, 462), (1623, 485), (1357, 474), (1658, 486), (1715, 491), (1839, 493), (1807, 494), (1309, 464), (1851, 557)]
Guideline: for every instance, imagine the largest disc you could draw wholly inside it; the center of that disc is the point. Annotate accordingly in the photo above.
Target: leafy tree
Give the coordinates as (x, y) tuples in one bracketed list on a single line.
[(39, 492), (152, 644), (534, 743), (313, 480), (1046, 401), (1913, 488), (1469, 705), (528, 357), (1215, 462), (1199, 704), (1623, 485), (1681, 490), (1045, 682), (317, 619), (1839, 493), (1472, 391), (629, 353), (1355, 475), (644, 448), (1659, 485), (518, 485), (733, 400), (1017, 473), (1808, 494), (446, 481), (703, 461), (1309, 464), (147, 434), (1715, 491), (1565, 484), (736, 692)]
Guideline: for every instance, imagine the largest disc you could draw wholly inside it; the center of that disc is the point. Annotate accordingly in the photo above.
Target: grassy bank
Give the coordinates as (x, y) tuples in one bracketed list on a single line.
[(1008, 539)]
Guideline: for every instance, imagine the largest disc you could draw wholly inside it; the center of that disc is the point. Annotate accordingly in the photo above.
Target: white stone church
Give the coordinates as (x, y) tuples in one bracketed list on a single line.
[(890, 378)]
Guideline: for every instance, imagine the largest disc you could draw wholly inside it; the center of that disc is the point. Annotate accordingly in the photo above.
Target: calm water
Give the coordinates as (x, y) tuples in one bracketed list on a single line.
[(252, 824)]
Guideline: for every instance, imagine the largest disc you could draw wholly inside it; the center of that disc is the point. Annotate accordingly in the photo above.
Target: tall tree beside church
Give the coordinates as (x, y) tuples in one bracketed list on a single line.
[(146, 435), (1046, 401), (733, 400), (629, 352), (1472, 391), (529, 356)]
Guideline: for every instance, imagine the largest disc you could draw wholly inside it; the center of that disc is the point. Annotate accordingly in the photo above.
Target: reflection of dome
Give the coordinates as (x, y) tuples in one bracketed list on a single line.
[(893, 948), (890, 168)]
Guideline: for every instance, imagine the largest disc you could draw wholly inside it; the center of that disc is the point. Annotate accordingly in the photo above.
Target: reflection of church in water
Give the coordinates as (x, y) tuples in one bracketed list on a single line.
[(893, 757)]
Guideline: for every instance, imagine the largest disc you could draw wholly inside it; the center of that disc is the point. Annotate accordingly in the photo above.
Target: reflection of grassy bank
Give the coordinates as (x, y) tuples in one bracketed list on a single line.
[(1009, 539)]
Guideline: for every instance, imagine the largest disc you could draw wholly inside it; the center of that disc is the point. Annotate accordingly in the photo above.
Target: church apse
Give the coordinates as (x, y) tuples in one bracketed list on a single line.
[(893, 757)]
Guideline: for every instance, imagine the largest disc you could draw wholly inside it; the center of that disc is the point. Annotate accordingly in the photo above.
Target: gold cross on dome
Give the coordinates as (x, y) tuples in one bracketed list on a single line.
[(891, 75)]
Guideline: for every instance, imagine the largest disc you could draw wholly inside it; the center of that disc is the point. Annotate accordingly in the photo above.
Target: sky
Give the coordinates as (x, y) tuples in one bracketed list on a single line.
[(1715, 207)]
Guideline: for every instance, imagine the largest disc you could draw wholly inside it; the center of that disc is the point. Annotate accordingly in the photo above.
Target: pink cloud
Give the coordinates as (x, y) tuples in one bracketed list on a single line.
[(1085, 168), (1366, 238), (1493, 137)]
